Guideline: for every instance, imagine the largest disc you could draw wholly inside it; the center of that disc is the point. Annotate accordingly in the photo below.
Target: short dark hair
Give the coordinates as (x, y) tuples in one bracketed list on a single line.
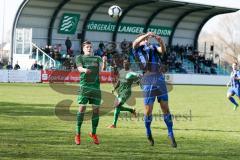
[(86, 43)]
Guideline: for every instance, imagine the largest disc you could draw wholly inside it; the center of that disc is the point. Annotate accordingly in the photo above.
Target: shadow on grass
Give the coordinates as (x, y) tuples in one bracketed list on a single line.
[(208, 130), (22, 109), (129, 146)]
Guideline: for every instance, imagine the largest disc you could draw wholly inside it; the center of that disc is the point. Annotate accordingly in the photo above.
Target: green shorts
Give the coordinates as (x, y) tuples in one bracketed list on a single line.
[(123, 97), (89, 95)]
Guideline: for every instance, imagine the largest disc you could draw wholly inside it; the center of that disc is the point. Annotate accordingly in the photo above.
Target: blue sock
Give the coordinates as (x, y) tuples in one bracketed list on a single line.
[(148, 121), (169, 123), (233, 101)]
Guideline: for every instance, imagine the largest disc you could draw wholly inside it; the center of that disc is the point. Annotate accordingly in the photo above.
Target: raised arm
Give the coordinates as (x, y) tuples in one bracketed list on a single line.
[(162, 48), (137, 41)]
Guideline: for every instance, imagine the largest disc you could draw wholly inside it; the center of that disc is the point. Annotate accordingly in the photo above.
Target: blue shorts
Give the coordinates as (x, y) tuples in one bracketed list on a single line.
[(154, 86), (234, 91)]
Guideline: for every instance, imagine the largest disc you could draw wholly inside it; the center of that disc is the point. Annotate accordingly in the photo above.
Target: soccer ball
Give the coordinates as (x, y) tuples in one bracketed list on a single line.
[(115, 11)]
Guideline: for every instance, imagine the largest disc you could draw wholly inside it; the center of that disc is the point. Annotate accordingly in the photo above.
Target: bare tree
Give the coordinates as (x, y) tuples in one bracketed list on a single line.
[(225, 36)]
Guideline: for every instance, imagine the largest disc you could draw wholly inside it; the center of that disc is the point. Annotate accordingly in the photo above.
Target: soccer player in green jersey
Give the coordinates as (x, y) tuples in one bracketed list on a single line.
[(89, 92), (123, 87)]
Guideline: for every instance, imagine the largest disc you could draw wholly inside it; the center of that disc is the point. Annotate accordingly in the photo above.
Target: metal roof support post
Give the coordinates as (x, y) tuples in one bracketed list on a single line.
[(204, 21), (181, 17), (88, 17), (155, 13), (130, 7), (54, 16), (19, 11)]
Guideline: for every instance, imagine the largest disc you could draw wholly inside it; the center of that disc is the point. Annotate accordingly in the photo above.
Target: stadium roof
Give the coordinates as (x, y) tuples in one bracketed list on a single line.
[(184, 18), (222, 3)]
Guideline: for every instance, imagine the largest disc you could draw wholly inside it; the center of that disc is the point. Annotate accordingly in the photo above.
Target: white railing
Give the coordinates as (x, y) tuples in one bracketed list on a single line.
[(52, 62)]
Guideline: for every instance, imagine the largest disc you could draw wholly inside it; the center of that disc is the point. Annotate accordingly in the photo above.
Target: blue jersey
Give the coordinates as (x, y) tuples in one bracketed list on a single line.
[(149, 58), (153, 82), (235, 83)]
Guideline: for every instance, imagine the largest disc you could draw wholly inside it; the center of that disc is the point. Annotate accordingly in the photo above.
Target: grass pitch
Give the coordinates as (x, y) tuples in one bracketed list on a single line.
[(33, 126)]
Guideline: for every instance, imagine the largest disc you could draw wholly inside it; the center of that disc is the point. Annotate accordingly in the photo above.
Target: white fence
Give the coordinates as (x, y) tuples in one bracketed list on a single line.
[(3, 75), (190, 79), (20, 76), (197, 79)]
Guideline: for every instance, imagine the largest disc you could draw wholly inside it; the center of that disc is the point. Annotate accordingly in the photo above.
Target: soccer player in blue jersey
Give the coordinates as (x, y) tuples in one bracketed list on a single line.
[(153, 82), (235, 85)]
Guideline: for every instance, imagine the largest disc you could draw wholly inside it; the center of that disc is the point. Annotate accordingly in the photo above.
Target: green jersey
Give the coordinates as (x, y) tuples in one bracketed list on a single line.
[(92, 63), (89, 91), (126, 78)]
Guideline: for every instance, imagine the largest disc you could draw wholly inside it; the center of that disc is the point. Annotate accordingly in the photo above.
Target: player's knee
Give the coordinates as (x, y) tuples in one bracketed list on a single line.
[(165, 108), (96, 111), (148, 111), (229, 96), (116, 103), (82, 109)]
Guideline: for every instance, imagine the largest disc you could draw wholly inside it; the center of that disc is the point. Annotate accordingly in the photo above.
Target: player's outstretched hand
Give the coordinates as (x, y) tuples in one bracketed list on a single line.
[(159, 38)]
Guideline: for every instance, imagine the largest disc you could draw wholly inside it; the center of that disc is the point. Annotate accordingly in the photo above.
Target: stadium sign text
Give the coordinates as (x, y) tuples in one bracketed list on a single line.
[(103, 26), (68, 23)]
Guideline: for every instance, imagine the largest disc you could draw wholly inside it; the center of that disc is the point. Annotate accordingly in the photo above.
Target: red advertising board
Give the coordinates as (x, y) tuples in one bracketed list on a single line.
[(70, 76)]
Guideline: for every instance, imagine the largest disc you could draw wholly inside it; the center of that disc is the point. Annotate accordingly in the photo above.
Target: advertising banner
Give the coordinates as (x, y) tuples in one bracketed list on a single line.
[(73, 76)]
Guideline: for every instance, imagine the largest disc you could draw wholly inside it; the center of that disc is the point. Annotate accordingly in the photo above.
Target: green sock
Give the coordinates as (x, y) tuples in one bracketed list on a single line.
[(116, 114), (95, 120), (80, 117), (126, 109)]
